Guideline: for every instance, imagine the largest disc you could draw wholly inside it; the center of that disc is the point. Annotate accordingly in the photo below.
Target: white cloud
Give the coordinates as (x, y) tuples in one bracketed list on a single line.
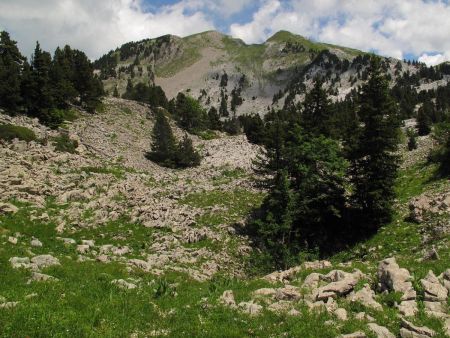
[(433, 59), (390, 27), (94, 26)]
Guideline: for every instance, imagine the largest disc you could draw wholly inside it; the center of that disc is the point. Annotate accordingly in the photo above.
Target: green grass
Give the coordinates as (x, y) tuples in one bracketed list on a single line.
[(8, 132), (63, 143), (231, 205)]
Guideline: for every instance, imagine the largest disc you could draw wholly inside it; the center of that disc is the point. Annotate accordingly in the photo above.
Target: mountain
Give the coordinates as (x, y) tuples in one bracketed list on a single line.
[(211, 65)]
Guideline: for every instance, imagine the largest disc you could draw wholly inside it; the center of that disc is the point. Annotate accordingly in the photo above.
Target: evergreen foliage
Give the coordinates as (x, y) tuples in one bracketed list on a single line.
[(152, 95), (46, 85), (373, 162), (165, 151)]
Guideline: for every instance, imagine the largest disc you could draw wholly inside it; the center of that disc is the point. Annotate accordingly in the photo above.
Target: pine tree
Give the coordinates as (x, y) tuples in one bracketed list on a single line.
[(116, 92), (424, 119), (223, 110), (186, 155), (11, 62), (163, 148), (214, 122), (274, 227), (316, 112), (374, 164)]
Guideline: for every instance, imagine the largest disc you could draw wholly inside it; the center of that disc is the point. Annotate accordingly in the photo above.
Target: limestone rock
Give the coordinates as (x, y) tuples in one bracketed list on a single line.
[(44, 261), (408, 308), (380, 331), (36, 242), (394, 278), (123, 284), (250, 308), (288, 292), (40, 277), (20, 262), (8, 209), (357, 334), (12, 240), (409, 330), (341, 314), (8, 305), (434, 291), (365, 296), (227, 299)]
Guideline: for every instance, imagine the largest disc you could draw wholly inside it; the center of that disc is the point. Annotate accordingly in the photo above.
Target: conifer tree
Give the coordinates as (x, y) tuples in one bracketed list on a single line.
[(186, 155), (424, 119), (11, 62), (374, 164), (316, 112), (163, 142), (214, 122)]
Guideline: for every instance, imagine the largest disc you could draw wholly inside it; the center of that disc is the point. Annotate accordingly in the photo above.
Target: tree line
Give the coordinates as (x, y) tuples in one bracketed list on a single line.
[(46, 86)]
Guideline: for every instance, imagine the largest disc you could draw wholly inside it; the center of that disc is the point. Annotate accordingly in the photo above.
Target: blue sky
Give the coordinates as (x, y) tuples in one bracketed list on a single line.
[(396, 28)]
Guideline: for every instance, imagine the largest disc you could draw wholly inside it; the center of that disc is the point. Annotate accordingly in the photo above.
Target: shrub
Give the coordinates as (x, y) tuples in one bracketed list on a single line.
[(8, 132)]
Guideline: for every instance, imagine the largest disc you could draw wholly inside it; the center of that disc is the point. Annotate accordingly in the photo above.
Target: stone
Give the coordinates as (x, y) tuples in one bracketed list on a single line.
[(394, 278), (289, 292), (341, 314), (227, 299), (364, 316), (44, 261), (20, 262), (311, 282), (8, 209), (433, 290), (12, 240), (264, 292), (282, 276), (341, 287), (281, 306), (83, 248), (409, 330), (357, 334), (380, 331), (123, 284), (90, 243), (36, 243), (250, 308), (139, 263), (67, 241), (8, 305), (40, 277), (365, 296), (408, 308)]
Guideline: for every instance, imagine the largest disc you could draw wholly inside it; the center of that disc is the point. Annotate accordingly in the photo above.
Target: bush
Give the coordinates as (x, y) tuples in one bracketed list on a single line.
[(64, 144), (9, 132)]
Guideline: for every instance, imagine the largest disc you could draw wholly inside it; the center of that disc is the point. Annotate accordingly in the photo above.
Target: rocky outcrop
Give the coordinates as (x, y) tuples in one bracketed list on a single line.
[(287, 275), (393, 278)]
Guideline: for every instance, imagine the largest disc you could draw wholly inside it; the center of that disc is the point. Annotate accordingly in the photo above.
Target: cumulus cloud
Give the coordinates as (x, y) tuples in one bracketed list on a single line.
[(390, 27), (95, 26)]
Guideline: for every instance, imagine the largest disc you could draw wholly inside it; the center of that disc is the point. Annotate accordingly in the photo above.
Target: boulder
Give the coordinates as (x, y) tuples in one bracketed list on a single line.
[(8, 209), (289, 292), (40, 277), (365, 296), (44, 261), (20, 262), (394, 278), (36, 242), (433, 290), (341, 314), (408, 308), (250, 308), (380, 331), (343, 283), (409, 330)]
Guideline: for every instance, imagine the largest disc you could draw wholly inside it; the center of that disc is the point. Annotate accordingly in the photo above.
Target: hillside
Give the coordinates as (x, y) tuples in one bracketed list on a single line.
[(211, 65), (103, 242)]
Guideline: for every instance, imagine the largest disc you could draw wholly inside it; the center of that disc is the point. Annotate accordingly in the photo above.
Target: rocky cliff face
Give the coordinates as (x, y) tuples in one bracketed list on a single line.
[(210, 65)]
